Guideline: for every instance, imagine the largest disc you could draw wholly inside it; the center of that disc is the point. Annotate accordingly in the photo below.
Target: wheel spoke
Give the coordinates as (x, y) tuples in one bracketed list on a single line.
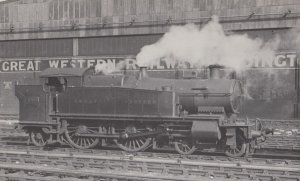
[(91, 131), (81, 141), (78, 141), (133, 144), (185, 147), (240, 148), (129, 144), (137, 142), (188, 148), (39, 138), (84, 142), (88, 141)]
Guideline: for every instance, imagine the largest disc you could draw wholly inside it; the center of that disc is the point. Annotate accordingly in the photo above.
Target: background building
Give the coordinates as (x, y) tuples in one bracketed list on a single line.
[(36, 34)]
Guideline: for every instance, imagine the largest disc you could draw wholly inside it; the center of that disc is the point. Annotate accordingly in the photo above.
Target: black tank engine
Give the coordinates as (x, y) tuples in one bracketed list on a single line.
[(83, 109)]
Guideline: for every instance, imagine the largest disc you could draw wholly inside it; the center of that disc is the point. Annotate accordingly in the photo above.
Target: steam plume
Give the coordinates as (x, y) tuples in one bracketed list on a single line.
[(206, 46)]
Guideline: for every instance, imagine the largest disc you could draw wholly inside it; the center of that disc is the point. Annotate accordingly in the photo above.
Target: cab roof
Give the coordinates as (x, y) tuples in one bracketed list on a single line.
[(64, 72)]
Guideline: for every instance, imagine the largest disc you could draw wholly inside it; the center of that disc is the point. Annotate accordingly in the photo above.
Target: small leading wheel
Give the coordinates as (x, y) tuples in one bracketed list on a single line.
[(134, 144), (39, 138), (79, 141), (185, 147), (239, 150)]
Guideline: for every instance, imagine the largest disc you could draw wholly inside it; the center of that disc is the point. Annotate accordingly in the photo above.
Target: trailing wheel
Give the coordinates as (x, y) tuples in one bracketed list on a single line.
[(80, 142), (134, 144), (39, 138), (185, 147), (240, 149)]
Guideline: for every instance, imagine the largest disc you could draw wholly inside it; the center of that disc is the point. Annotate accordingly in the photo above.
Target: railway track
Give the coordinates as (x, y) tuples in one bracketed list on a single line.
[(281, 124), (210, 158), (281, 142), (171, 165), (7, 132), (38, 173), (9, 116), (18, 161)]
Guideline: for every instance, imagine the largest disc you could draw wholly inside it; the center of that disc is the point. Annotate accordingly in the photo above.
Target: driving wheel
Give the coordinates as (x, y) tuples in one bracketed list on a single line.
[(72, 136), (133, 144)]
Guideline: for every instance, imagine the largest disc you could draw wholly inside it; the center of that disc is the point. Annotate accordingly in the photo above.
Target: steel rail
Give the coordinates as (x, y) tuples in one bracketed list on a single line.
[(281, 142), (9, 116), (214, 168), (89, 174), (210, 158)]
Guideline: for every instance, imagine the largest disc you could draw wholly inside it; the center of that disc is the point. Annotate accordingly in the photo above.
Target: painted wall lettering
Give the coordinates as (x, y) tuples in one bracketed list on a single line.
[(281, 60)]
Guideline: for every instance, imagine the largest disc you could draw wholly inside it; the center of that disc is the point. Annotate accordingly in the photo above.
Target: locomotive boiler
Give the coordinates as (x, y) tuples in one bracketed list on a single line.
[(84, 109)]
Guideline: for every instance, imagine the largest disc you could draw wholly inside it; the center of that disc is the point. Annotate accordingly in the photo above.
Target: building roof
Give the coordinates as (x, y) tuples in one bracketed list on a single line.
[(7, 1), (64, 72)]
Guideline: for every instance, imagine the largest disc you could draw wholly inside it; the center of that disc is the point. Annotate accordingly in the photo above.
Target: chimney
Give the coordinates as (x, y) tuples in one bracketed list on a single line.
[(232, 75), (215, 71), (143, 73)]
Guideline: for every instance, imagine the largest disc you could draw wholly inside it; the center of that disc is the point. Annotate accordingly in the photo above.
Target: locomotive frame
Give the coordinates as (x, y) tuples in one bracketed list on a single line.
[(65, 108)]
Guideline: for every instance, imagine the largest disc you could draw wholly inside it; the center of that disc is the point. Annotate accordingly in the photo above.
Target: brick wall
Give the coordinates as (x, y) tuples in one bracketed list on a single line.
[(27, 19)]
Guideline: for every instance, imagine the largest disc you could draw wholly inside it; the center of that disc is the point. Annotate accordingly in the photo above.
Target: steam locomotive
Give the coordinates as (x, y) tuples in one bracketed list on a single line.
[(84, 109)]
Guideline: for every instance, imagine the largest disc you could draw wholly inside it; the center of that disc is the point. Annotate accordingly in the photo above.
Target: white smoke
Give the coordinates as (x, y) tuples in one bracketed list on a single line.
[(105, 68), (102, 69), (206, 46), (108, 68)]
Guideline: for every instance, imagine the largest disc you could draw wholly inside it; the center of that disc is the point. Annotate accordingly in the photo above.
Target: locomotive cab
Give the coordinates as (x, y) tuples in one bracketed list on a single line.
[(56, 81), (65, 77), (55, 84)]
